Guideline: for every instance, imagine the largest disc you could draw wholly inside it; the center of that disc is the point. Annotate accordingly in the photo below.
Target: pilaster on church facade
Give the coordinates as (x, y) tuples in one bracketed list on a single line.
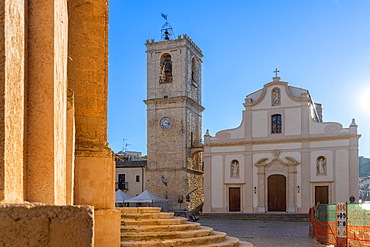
[(287, 157)]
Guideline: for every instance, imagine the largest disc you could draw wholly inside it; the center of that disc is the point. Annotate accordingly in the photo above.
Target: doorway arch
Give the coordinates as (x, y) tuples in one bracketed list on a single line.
[(276, 193)]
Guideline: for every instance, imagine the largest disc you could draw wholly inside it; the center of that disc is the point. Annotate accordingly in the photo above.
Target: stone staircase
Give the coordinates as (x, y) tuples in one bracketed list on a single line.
[(147, 226)]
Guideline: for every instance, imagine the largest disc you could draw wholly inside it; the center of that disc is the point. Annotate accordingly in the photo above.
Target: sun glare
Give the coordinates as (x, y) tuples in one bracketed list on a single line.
[(364, 100)]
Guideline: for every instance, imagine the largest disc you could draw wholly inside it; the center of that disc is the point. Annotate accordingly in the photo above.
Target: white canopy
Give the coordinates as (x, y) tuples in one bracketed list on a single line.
[(121, 196), (145, 196)]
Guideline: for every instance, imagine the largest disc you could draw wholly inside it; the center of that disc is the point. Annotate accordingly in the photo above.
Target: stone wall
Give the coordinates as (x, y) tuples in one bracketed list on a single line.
[(46, 225)]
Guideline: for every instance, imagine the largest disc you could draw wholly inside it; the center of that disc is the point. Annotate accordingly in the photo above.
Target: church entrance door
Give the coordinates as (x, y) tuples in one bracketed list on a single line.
[(321, 195), (277, 193), (234, 199)]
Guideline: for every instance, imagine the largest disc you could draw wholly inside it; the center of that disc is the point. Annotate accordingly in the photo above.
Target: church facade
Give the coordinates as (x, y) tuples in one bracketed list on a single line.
[(282, 157)]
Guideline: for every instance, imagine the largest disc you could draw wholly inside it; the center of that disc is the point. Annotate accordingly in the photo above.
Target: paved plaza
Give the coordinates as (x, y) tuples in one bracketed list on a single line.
[(265, 233)]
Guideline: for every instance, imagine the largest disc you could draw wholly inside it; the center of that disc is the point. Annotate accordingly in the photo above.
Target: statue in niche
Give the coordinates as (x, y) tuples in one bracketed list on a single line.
[(276, 96), (321, 166), (234, 169)]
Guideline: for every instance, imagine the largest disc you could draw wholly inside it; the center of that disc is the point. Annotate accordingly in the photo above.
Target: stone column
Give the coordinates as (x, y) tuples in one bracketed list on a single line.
[(88, 78), (12, 52), (46, 103)]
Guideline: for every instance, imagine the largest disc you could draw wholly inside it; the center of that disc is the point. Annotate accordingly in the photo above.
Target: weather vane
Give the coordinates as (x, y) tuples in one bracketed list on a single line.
[(166, 30)]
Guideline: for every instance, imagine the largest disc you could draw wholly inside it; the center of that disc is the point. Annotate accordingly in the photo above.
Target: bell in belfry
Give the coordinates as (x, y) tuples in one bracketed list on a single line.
[(167, 66), (166, 33)]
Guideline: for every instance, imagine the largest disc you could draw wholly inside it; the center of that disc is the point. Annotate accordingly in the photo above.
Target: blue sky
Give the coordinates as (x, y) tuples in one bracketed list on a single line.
[(319, 45)]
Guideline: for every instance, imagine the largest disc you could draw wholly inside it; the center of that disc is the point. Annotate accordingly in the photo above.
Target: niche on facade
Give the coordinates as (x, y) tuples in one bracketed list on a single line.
[(321, 166), (166, 69), (234, 169), (275, 96)]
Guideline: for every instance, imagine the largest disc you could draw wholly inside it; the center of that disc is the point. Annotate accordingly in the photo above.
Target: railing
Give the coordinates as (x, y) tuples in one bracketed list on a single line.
[(123, 186)]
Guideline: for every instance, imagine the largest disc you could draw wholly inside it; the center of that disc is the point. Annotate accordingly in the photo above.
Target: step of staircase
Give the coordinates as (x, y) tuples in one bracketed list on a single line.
[(134, 210), (287, 217), (144, 236), (148, 227), (156, 215), (216, 237), (160, 228), (172, 221), (228, 242)]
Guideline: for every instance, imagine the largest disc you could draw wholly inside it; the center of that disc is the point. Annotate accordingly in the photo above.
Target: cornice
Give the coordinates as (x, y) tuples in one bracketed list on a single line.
[(153, 46), (280, 141), (173, 100)]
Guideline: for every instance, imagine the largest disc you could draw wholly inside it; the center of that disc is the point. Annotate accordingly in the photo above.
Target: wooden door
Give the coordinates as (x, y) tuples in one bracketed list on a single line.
[(277, 193), (321, 195), (234, 199)]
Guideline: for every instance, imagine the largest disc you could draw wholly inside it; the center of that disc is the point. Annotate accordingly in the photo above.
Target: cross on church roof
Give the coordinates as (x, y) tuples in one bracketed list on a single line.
[(276, 71)]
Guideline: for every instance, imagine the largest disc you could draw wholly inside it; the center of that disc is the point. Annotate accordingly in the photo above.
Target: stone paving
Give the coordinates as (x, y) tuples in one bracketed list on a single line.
[(265, 233)]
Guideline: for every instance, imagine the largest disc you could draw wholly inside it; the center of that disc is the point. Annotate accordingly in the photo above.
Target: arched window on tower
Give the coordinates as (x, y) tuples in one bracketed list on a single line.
[(166, 69), (193, 72), (276, 124)]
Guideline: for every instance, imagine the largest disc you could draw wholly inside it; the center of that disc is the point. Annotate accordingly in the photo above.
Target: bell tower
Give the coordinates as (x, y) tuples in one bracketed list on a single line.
[(174, 121)]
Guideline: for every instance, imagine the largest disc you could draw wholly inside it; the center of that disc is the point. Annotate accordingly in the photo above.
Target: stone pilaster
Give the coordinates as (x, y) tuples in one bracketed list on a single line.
[(353, 160), (248, 174), (261, 208), (305, 190), (207, 208), (292, 188), (12, 51)]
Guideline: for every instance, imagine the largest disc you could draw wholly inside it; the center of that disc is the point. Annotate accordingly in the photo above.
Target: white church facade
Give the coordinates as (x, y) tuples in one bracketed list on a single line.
[(282, 157)]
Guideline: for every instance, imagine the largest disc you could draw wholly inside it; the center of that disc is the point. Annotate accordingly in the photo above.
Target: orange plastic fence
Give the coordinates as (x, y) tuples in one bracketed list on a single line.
[(358, 235), (326, 232)]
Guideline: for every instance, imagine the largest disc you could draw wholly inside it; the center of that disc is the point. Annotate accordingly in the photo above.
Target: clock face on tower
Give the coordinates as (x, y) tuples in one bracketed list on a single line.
[(165, 123)]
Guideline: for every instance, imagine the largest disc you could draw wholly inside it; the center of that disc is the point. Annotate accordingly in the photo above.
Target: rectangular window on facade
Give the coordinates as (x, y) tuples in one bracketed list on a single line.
[(137, 178), (276, 125), (121, 181)]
